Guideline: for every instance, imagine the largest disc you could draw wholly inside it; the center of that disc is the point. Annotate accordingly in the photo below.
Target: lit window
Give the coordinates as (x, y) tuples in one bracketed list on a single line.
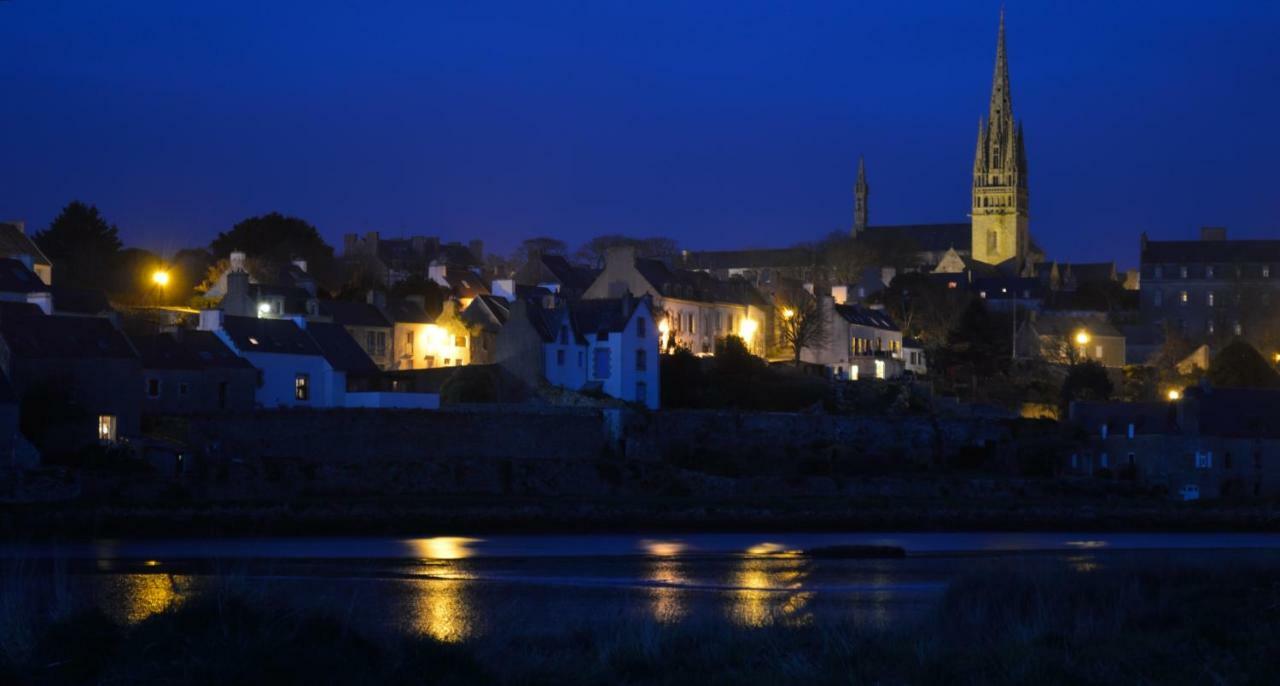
[(1209, 300), (1183, 297), (302, 387), (459, 341), (1266, 271), (253, 341), (1238, 329), (107, 428), (408, 344), (879, 369)]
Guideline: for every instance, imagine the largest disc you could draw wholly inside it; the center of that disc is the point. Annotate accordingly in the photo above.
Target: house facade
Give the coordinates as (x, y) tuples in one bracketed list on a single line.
[(193, 372), (605, 345), (858, 342), (693, 309), (1214, 289), (292, 370), (1063, 337), (15, 244)]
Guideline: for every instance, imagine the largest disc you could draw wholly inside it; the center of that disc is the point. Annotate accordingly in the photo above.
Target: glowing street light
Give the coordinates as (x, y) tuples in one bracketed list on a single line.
[(788, 313), (264, 308), (1174, 394), (1082, 337), (747, 329), (160, 278)]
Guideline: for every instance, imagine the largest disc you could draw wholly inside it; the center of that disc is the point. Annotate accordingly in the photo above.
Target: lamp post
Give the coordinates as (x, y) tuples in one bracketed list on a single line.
[(1082, 339)]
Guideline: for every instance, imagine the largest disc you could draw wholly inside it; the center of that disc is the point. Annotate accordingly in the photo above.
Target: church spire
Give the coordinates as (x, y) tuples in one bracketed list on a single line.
[(860, 191)]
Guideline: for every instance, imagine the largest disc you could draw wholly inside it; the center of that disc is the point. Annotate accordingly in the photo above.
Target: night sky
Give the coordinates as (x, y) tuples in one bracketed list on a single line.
[(734, 124)]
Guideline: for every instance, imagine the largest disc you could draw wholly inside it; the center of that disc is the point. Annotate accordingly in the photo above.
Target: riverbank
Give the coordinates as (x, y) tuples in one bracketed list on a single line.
[(1187, 619), (420, 516)]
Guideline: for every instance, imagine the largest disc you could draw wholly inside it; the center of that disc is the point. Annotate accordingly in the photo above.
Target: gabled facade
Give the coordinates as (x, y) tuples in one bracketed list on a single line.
[(858, 343), (292, 369), (193, 372), (484, 318), (15, 244), (607, 345), (367, 325), (694, 309)]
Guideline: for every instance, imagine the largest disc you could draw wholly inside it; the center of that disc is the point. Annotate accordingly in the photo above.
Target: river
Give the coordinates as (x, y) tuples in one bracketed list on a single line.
[(455, 588)]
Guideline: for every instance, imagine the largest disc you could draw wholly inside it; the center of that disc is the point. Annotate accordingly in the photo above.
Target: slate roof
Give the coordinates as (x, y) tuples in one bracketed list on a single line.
[(865, 316), (686, 284), (187, 350), (349, 313), (15, 242), (405, 311), (34, 335), (340, 349), (606, 315), (556, 269), (1211, 251), (279, 336), (923, 237), (16, 278), (465, 284), (488, 311)]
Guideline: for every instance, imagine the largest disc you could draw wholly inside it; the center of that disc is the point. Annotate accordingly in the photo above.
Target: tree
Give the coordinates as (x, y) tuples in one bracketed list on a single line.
[(800, 321), (978, 346), (82, 245), (847, 259), (1087, 380), (1239, 365), (593, 251), (278, 239), (924, 307)]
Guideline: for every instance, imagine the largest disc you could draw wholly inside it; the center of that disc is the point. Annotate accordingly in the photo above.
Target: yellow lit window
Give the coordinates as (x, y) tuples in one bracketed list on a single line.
[(107, 428)]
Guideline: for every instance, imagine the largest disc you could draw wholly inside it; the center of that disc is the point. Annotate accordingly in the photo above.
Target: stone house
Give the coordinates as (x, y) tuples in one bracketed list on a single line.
[(693, 309), (292, 369), (1213, 289), (393, 260), (484, 318), (1063, 336), (193, 372), (1212, 442), (18, 284), (555, 274), (85, 370)]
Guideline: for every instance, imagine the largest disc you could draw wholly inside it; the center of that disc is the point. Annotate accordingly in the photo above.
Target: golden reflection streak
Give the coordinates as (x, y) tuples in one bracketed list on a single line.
[(441, 610), (667, 599), (444, 547), (770, 589), (136, 597)]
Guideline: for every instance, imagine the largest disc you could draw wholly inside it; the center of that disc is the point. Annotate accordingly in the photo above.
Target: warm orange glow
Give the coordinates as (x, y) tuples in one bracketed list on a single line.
[(445, 547), (788, 313), (1082, 337), (747, 329), (1174, 394), (160, 277), (662, 548), (664, 327)]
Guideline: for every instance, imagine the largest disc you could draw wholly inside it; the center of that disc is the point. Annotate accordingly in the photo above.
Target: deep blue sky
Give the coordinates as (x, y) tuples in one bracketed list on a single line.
[(719, 124)]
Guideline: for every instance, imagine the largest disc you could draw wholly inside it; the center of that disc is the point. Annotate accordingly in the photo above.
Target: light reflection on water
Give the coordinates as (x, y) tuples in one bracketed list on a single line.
[(666, 596), (768, 590), (441, 610), (135, 597)]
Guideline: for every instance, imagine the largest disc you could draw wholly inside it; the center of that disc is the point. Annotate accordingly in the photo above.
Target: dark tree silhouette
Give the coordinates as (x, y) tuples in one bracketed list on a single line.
[(1239, 365), (277, 239), (83, 247), (1087, 380)]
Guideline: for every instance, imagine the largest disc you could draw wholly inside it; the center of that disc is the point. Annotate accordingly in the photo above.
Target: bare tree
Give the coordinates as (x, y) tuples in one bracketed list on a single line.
[(801, 322)]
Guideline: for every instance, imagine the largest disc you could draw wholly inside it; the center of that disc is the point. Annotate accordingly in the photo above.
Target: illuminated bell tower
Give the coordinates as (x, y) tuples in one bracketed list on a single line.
[(1000, 218), (860, 190)]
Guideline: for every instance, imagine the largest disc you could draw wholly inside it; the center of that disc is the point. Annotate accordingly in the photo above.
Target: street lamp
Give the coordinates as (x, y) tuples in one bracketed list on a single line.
[(1174, 394), (160, 278), (747, 329), (788, 313), (1082, 337)]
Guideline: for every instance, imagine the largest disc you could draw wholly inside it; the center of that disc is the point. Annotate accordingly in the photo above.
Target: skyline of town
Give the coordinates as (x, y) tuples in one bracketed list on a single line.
[(918, 169)]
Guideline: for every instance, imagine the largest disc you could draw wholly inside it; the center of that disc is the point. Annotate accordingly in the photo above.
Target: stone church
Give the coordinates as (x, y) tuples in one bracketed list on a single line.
[(997, 238)]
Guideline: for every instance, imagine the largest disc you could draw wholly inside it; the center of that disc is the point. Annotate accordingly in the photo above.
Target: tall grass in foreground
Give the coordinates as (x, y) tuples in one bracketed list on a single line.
[(1144, 620)]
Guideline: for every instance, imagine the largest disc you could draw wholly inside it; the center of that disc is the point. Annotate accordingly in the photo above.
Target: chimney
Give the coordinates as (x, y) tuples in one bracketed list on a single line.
[(477, 249), (237, 261), (300, 264), (628, 304), (437, 272), (211, 320), (371, 242), (1213, 233), (840, 294), (236, 300)]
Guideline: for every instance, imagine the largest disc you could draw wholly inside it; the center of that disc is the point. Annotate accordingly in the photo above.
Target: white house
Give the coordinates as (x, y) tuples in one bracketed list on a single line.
[(609, 345), (859, 343)]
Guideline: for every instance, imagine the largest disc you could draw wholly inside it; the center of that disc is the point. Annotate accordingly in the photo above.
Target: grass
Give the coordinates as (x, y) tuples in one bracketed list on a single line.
[(1153, 620)]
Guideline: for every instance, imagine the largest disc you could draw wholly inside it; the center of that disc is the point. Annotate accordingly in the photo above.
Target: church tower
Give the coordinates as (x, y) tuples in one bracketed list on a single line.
[(860, 201), (1000, 220)]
